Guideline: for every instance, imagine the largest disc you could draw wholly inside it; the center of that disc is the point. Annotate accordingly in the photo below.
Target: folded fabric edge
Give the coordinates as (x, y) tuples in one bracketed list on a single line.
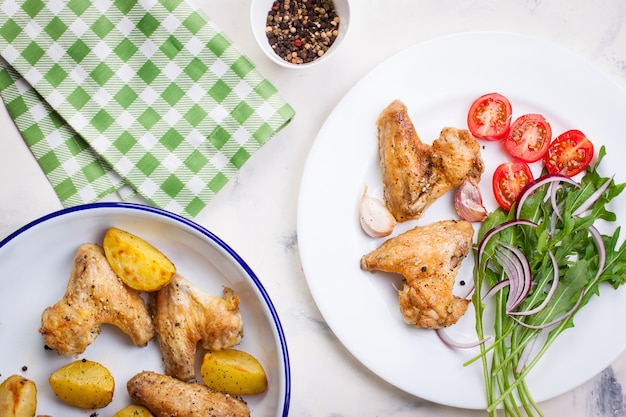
[(76, 173), (49, 161)]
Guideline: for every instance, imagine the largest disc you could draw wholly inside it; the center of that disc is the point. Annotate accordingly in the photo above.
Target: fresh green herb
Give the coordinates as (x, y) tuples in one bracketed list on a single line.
[(562, 242)]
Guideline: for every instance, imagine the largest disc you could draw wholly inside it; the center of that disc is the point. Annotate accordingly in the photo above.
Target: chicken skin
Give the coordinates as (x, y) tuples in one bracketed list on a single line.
[(416, 174), (429, 258), (185, 315), (166, 396), (94, 296)]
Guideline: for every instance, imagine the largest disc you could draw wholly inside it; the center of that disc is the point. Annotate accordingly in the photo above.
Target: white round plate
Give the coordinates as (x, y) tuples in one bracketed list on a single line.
[(35, 263), (438, 80)]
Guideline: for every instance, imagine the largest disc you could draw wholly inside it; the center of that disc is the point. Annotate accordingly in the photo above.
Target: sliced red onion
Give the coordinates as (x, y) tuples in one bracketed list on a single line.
[(497, 229), (513, 270), (597, 238), (533, 185), (592, 198), (452, 343), (497, 287), (555, 282), (559, 319), (517, 268), (554, 189)]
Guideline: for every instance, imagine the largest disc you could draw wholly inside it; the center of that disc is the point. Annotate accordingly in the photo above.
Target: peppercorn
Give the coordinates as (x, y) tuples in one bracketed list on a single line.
[(292, 24)]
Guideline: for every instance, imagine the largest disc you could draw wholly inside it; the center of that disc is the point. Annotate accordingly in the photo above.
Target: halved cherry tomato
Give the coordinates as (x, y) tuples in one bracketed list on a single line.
[(569, 154), (529, 137), (509, 179), (489, 117)]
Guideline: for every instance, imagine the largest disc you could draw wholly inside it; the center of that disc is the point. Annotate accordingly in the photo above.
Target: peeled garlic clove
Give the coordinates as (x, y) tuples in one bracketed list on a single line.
[(468, 202), (375, 219)]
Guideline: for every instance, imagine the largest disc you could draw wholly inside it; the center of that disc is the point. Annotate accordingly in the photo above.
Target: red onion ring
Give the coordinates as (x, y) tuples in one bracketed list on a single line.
[(592, 198), (533, 185), (452, 343)]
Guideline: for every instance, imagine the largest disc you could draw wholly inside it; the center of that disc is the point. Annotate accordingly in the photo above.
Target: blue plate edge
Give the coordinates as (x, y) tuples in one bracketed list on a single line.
[(204, 231)]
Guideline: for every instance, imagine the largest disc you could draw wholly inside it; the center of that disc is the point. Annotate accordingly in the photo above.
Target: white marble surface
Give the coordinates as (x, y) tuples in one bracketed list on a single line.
[(256, 212)]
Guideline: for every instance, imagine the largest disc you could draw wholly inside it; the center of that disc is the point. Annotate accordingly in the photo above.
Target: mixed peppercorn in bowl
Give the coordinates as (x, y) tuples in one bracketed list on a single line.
[(299, 33)]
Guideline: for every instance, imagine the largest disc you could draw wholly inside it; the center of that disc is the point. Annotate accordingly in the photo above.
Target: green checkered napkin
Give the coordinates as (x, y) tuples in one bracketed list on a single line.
[(133, 96)]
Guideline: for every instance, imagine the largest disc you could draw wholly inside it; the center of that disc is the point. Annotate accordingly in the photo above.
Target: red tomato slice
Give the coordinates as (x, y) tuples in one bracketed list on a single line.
[(509, 179), (529, 137), (569, 154), (489, 117)]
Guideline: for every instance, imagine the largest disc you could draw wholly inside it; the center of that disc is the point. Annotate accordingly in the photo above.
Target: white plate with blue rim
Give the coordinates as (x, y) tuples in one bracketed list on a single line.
[(438, 80), (35, 264)]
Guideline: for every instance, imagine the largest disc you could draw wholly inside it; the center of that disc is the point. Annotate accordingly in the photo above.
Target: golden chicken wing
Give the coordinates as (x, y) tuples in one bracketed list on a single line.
[(185, 315), (416, 174), (94, 296), (166, 396), (429, 258)]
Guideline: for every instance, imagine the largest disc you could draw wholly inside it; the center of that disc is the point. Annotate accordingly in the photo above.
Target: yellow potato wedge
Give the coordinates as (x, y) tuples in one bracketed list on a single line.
[(18, 397), (233, 372), (134, 411), (136, 262), (83, 384)]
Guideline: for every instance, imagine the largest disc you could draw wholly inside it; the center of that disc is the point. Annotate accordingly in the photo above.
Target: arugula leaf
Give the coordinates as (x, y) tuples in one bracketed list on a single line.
[(561, 233)]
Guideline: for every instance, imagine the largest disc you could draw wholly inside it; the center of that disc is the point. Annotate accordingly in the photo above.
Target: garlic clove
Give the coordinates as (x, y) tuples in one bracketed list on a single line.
[(468, 202), (376, 220)]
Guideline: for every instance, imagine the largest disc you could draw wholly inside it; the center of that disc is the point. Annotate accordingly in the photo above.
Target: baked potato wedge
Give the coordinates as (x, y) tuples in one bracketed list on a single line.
[(234, 372), (134, 411), (136, 262), (83, 384), (18, 397)]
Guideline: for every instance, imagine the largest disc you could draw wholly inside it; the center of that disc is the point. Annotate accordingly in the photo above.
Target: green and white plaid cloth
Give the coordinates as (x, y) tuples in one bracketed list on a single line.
[(133, 96)]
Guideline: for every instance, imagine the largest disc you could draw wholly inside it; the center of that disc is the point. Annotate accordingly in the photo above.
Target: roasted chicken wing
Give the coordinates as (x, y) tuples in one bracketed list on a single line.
[(429, 258), (185, 315), (94, 295), (166, 396), (416, 174)]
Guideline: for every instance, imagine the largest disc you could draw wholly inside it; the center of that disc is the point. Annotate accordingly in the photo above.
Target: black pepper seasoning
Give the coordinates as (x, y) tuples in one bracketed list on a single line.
[(300, 31)]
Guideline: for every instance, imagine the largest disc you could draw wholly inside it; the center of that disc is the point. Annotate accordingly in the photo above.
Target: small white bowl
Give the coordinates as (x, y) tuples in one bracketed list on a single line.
[(259, 10)]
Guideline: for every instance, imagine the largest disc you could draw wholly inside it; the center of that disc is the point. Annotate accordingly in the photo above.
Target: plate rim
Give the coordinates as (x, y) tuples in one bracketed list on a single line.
[(375, 72)]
